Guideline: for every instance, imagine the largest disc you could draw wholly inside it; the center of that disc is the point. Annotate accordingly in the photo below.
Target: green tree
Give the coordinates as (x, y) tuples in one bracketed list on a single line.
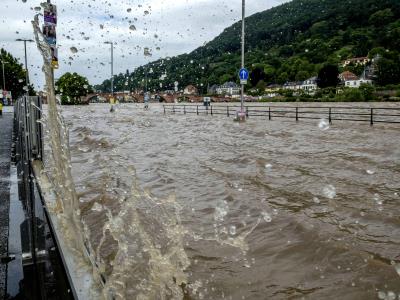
[(15, 75), (381, 17), (328, 76), (72, 87), (388, 71)]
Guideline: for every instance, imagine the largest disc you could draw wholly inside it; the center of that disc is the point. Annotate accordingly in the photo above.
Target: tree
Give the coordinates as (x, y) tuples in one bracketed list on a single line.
[(388, 71), (72, 87), (328, 76), (15, 76), (256, 75), (381, 17)]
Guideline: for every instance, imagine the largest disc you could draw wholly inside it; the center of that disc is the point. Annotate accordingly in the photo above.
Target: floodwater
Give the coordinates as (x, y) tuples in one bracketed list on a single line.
[(264, 209)]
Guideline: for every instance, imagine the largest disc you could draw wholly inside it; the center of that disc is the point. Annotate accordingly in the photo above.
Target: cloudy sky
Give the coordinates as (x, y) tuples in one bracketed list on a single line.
[(166, 27)]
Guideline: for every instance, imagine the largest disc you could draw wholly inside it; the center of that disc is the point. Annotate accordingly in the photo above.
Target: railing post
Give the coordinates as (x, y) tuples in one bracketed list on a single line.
[(269, 113), (197, 109), (164, 109), (184, 109), (247, 112), (372, 116), (330, 115), (211, 109), (227, 111), (297, 114), (173, 108)]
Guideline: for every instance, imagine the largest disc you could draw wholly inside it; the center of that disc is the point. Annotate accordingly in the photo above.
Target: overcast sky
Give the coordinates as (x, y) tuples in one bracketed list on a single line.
[(166, 27)]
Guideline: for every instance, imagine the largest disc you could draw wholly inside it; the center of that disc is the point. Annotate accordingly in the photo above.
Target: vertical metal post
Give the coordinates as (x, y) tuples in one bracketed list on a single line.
[(330, 115), (197, 109), (243, 40), (297, 114), (372, 116), (164, 109), (269, 113), (173, 108), (4, 76), (211, 110), (247, 112), (112, 70), (184, 109), (227, 111), (26, 68)]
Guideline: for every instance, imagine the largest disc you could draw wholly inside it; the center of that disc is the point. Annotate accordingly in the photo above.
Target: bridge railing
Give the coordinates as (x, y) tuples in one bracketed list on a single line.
[(369, 115)]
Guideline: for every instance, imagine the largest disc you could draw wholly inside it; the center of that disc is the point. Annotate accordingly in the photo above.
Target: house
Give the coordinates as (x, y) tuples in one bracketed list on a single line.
[(357, 83), (212, 90), (356, 61), (273, 88), (346, 76), (310, 85), (191, 90), (228, 88), (294, 86)]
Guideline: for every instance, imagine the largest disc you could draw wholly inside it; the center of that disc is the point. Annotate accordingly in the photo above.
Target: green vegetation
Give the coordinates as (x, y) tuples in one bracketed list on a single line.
[(72, 87), (15, 75), (291, 42)]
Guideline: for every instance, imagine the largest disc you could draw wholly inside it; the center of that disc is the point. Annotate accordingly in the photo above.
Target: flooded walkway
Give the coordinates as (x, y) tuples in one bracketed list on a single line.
[(6, 125)]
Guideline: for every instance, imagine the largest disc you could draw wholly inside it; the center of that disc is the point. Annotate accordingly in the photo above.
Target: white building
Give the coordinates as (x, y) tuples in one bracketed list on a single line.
[(356, 83), (228, 88), (310, 85)]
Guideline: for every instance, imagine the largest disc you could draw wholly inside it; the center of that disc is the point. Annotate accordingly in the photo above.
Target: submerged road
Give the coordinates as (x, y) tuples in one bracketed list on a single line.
[(6, 125)]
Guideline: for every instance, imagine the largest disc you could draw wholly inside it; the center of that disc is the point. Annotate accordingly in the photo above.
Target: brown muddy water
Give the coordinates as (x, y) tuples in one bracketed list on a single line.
[(262, 210)]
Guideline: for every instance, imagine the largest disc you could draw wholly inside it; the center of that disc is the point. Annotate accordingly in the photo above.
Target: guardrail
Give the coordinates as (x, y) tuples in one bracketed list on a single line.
[(44, 274), (369, 115)]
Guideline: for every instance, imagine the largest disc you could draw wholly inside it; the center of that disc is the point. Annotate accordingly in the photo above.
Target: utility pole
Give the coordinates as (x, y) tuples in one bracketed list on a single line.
[(26, 63), (243, 36), (112, 67), (4, 76)]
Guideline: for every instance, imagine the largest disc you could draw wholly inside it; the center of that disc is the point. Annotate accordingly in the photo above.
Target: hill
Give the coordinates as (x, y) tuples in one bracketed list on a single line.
[(286, 43)]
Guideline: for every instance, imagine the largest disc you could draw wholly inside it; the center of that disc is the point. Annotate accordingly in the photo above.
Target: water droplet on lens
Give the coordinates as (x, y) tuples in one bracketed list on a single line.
[(73, 49), (267, 217), (329, 191), (316, 200), (232, 230), (323, 125)]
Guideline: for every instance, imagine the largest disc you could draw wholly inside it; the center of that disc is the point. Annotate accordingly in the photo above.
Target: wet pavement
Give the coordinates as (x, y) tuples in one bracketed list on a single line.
[(6, 125)]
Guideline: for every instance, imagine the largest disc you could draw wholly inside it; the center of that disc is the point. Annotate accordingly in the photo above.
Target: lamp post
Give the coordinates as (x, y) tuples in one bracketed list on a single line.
[(4, 76), (243, 36), (26, 63), (4, 80), (112, 67)]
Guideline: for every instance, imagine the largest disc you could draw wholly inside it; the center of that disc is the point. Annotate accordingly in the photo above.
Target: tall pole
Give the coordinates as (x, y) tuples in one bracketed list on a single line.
[(112, 69), (4, 76), (243, 36), (26, 63)]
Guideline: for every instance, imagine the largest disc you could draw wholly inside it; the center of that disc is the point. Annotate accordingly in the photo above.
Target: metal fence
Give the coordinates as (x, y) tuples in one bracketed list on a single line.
[(44, 275), (369, 115)]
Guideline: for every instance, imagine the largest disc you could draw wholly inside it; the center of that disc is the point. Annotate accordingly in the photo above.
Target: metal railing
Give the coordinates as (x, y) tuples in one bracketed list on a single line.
[(41, 261), (369, 115)]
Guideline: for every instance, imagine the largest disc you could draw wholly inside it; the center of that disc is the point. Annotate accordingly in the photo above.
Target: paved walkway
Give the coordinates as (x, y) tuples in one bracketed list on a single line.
[(6, 125)]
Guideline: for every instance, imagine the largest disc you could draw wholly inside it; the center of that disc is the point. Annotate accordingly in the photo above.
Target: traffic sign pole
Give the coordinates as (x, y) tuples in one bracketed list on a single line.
[(243, 33)]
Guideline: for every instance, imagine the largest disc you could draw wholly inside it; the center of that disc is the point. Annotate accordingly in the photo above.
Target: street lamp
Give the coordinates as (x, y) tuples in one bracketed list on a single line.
[(112, 67), (4, 80), (4, 77), (26, 62), (243, 36)]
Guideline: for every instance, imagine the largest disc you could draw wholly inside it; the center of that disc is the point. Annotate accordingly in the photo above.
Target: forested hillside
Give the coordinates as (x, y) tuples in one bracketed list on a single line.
[(286, 43)]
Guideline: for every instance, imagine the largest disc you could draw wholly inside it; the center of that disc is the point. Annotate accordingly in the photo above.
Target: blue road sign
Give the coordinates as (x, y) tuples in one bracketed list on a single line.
[(243, 74)]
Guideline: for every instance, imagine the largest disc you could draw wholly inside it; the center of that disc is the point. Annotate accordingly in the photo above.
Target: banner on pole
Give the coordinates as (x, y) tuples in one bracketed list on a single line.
[(49, 31)]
